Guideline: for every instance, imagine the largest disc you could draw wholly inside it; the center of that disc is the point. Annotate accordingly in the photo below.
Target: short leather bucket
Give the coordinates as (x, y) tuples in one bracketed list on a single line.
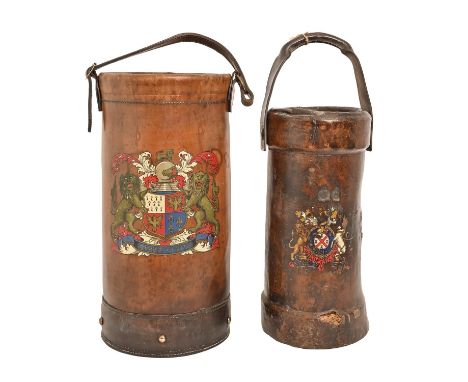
[(313, 296), (166, 205)]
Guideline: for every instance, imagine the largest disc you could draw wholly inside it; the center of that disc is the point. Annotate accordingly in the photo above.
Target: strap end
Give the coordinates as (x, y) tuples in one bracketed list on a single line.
[(90, 74), (247, 96), (263, 133), (369, 148)]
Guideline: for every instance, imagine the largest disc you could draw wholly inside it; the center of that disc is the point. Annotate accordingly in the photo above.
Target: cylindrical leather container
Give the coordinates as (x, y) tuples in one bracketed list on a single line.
[(166, 207), (313, 296)]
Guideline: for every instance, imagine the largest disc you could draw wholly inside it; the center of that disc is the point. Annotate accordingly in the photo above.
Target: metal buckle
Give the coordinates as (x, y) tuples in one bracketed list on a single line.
[(90, 70)]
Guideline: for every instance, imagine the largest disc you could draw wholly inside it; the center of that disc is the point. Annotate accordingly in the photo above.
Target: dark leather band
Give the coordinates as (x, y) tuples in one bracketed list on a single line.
[(286, 52), (247, 96), (312, 330), (165, 335)]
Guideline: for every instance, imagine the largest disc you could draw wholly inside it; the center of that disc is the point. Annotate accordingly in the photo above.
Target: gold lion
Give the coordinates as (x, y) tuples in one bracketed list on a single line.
[(298, 248)]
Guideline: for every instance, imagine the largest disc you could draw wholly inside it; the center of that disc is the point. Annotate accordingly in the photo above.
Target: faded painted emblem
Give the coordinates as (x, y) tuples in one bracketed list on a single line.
[(318, 238), (164, 206)]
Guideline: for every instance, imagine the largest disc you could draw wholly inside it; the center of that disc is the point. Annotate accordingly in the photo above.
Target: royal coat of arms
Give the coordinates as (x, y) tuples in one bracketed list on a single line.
[(318, 239), (164, 207)]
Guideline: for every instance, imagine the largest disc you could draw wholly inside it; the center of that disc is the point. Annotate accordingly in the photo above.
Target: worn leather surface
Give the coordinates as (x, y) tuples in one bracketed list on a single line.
[(285, 53), (152, 112), (319, 129), (314, 152), (313, 296), (184, 334)]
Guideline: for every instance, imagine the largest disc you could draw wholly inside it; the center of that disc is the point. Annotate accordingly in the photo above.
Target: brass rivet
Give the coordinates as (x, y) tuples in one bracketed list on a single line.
[(101, 321), (162, 339), (229, 320)]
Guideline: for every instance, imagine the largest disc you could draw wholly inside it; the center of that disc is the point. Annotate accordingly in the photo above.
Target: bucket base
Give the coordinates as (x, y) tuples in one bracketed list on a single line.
[(160, 335), (313, 330)]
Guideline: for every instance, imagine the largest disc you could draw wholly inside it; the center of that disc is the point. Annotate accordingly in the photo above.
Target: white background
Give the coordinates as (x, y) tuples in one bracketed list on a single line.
[(414, 256)]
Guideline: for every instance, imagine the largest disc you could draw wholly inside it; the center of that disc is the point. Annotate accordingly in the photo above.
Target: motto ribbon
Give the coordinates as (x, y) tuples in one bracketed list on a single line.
[(157, 249)]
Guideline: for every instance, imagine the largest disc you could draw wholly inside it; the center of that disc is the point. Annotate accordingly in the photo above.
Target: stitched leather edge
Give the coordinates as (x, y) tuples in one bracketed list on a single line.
[(195, 314), (177, 353)]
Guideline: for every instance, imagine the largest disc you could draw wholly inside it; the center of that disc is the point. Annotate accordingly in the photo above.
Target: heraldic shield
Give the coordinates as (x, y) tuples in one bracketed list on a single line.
[(165, 217), (321, 241)]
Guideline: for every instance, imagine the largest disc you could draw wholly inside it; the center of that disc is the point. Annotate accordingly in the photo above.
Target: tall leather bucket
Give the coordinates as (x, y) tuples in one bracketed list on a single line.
[(166, 205), (313, 296)]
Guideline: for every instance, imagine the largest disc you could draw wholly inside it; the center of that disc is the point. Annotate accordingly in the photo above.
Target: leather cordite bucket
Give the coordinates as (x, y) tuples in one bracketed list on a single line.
[(313, 296), (166, 205)]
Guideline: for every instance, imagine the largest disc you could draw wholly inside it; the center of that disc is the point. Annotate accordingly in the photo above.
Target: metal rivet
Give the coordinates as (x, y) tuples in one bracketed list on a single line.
[(101, 321), (229, 320), (162, 339)]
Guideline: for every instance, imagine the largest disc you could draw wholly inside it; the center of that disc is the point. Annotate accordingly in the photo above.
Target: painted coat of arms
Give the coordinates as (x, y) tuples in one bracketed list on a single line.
[(162, 206), (318, 239)]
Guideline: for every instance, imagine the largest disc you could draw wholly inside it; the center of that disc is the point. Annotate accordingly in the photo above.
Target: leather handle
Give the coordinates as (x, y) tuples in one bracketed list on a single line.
[(286, 52), (247, 97)]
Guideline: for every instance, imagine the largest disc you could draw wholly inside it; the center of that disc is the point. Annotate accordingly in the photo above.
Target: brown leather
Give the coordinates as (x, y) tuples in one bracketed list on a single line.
[(247, 97), (285, 53), (313, 296), (138, 334), (180, 297)]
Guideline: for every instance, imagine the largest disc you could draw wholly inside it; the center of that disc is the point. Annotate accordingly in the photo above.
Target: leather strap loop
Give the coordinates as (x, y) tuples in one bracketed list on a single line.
[(247, 97), (286, 52)]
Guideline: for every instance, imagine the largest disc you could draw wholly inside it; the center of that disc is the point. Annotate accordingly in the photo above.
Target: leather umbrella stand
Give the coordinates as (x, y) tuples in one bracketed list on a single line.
[(313, 296), (166, 205)]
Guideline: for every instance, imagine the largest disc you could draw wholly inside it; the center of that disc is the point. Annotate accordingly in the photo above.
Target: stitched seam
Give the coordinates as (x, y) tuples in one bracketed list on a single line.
[(188, 315), (162, 102)]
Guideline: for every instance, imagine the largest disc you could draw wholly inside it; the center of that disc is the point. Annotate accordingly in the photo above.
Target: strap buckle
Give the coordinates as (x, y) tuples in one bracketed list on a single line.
[(90, 71)]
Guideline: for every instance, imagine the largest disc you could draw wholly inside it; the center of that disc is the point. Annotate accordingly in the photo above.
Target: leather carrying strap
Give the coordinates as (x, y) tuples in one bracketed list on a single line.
[(247, 96), (286, 52)]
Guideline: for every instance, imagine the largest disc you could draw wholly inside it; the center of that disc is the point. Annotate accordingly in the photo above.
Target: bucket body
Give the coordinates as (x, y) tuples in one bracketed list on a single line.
[(166, 217), (166, 204), (313, 296)]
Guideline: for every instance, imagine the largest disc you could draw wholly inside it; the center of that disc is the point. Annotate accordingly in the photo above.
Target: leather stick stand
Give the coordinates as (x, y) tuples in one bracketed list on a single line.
[(166, 205)]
